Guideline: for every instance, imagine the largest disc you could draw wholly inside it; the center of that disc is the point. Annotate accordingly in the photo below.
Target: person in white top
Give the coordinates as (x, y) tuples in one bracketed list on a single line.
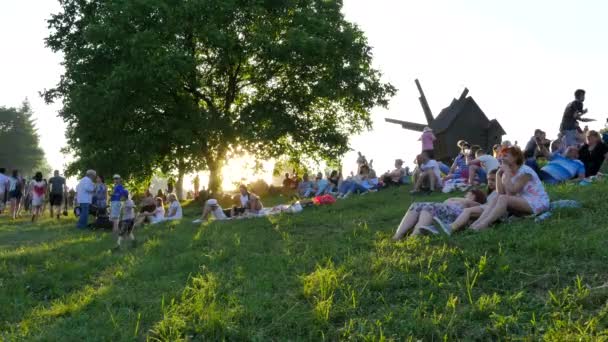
[(84, 197), (212, 208), (3, 189), (127, 223), (482, 166), (520, 191), (250, 202), (175, 209), (38, 189), (428, 173), (155, 216)]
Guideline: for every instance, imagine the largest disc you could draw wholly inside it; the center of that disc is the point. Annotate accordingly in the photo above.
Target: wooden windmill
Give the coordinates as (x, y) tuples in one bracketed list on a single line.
[(461, 120)]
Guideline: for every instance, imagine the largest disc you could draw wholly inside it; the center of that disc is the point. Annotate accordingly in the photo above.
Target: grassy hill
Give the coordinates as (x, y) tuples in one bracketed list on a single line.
[(329, 273)]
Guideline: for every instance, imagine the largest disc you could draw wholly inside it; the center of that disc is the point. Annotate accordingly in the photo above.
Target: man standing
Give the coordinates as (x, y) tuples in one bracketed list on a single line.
[(57, 190), (3, 189), (118, 193), (197, 185), (573, 113), (84, 197)]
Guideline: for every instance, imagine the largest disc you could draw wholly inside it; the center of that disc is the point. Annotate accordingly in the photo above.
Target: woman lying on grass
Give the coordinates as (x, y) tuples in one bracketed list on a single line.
[(420, 215), (520, 191), (472, 212)]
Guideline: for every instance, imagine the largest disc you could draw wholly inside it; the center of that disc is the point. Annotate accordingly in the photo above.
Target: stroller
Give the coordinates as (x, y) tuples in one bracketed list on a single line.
[(102, 219)]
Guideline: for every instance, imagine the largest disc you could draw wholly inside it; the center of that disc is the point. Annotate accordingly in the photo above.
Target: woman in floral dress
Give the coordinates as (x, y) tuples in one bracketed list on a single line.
[(420, 215), (521, 191)]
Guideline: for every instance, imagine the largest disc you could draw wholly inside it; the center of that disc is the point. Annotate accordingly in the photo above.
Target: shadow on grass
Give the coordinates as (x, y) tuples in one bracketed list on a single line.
[(124, 295)]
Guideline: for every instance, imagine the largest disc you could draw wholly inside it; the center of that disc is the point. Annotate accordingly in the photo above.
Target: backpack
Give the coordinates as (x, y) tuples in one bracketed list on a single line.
[(102, 222)]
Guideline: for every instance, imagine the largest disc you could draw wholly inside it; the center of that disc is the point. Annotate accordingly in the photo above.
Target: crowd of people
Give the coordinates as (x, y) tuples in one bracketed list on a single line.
[(513, 180), (19, 195)]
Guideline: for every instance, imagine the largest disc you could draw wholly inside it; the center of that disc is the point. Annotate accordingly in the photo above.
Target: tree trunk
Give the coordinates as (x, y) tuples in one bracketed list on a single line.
[(215, 178), (179, 187)]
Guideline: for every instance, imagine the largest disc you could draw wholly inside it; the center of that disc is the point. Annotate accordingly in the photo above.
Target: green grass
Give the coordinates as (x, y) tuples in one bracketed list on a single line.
[(329, 273)]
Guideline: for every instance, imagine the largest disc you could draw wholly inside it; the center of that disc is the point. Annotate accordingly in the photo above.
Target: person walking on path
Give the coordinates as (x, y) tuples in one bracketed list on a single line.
[(57, 190)]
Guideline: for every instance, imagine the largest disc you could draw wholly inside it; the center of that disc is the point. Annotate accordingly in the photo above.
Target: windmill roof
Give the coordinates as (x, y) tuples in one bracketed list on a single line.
[(445, 118)]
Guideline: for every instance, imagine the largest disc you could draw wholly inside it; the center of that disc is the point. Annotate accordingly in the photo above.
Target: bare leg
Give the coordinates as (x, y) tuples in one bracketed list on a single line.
[(420, 180), (415, 177), (408, 222), (490, 206), (115, 226), (503, 205), (465, 217), (472, 172), (432, 179), (14, 208), (139, 220), (424, 219)]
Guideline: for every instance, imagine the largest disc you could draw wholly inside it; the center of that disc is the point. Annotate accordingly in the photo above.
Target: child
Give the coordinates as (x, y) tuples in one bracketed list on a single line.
[(127, 223), (428, 138), (118, 193)]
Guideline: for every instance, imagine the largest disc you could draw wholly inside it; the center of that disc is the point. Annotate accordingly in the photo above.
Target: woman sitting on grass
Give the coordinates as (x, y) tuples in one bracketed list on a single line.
[(472, 212), (361, 183), (419, 216), (175, 209), (520, 191), (250, 203), (459, 168), (156, 216)]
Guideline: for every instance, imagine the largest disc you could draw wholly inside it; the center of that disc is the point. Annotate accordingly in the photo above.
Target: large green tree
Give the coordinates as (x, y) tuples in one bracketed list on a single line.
[(163, 83), (19, 140)]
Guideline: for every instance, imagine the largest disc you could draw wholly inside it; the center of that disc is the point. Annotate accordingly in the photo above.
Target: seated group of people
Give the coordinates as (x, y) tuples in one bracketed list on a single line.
[(471, 166), (513, 188), (152, 209), (251, 205), (566, 163), (364, 181)]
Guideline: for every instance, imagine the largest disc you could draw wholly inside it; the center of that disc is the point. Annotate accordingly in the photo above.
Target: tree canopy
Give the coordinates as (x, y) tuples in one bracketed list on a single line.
[(19, 140), (163, 84)]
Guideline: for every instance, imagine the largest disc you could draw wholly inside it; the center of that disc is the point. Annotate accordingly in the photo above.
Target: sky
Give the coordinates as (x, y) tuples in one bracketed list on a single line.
[(521, 60)]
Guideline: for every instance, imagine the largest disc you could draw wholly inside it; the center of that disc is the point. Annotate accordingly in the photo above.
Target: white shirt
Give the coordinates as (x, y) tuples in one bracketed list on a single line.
[(84, 190), (3, 183), (244, 201), (432, 164), (129, 210), (159, 215), (175, 206), (489, 163)]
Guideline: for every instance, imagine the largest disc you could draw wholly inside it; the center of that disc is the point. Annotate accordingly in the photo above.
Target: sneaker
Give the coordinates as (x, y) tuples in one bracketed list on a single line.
[(430, 230), (445, 227)]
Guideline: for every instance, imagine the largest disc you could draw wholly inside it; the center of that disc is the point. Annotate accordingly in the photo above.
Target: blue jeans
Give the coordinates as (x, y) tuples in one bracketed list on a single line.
[(547, 178), (352, 187), (483, 175), (444, 168), (323, 190), (570, 138), (83, 219)]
